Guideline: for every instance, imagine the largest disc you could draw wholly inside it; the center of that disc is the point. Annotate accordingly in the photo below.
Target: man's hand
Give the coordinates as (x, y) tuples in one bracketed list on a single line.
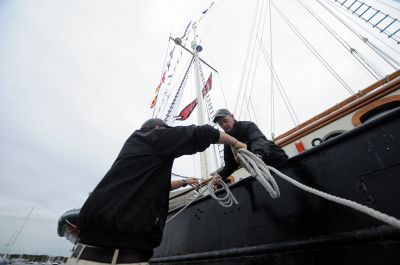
[(217, 179), (235, 146), (192, 181), (239, 145)]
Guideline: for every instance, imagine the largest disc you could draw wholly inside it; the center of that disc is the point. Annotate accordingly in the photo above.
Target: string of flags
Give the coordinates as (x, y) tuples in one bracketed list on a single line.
[(167, 74)]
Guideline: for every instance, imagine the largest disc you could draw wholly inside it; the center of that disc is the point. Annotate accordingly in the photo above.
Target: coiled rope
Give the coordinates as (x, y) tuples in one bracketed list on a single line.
[(226, 201), (257, 168)]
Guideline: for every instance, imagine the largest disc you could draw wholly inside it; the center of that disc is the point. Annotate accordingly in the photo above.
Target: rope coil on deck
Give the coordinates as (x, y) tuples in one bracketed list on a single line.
[(261, 172), (226, 201)]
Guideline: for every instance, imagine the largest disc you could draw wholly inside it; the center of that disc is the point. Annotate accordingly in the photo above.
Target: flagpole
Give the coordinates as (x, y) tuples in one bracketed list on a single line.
[(200, 103)]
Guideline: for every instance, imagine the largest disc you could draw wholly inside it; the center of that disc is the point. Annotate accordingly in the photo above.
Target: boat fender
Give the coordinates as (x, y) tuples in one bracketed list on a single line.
[(316, 141)]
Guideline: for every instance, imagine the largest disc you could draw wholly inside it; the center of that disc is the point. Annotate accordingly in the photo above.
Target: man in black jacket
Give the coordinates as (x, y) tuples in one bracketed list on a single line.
[(123, 218), (248, 133)]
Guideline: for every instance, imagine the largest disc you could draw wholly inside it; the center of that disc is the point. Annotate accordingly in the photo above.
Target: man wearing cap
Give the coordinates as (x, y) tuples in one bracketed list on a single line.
[(123, 218), (248, 133)]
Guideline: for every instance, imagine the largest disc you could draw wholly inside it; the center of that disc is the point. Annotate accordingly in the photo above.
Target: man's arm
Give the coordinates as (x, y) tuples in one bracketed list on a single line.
[(187, 140), (176, 184)]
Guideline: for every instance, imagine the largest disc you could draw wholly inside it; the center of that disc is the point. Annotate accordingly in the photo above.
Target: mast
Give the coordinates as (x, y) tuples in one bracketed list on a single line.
[(200, 104), (12, 242)]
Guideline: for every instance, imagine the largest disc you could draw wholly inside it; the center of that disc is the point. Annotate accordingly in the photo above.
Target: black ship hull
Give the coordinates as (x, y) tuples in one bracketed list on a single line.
[(362, 165)]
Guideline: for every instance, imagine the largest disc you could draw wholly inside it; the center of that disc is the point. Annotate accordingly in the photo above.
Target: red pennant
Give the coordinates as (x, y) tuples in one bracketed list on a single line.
[(158, 89), (153, 103), (163, 77), (207, 86), (185, 113)]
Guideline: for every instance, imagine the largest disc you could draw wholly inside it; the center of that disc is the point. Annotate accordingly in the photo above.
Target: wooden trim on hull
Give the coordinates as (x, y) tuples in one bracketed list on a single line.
[(340, 110), (356, 120)]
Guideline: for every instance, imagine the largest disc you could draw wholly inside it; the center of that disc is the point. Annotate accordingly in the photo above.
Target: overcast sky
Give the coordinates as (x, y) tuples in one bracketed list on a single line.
[(77, 78)]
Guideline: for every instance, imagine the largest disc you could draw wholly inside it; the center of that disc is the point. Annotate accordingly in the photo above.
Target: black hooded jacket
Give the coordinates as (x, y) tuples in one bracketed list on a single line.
[(128, 208), (247, 132)]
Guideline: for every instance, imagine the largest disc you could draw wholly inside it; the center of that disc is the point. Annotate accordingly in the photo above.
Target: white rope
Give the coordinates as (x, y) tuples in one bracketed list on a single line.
[(261, 172), (187, 205), (226, 201)]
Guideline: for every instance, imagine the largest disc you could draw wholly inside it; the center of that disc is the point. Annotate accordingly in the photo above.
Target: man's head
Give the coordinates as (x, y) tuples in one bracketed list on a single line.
[(153, 123), (225, 119)]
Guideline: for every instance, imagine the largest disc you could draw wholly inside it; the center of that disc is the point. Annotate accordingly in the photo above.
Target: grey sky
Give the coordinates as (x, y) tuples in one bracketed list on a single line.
[(77, 77)]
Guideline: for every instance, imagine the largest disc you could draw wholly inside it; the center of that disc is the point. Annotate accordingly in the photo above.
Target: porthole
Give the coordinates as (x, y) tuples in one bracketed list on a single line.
[(376, 109)]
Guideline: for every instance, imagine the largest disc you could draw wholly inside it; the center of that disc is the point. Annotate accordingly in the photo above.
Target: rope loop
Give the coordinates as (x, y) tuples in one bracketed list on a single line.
[(225, 201)]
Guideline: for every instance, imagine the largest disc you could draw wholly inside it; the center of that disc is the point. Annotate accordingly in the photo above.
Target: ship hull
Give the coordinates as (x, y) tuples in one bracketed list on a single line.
[(362, 165)]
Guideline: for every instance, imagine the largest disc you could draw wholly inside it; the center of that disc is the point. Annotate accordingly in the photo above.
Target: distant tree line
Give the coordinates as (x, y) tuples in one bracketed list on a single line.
[(37, 258)]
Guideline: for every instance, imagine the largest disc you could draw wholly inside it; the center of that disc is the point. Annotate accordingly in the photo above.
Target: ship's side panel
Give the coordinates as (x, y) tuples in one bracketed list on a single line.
[(362, 165)]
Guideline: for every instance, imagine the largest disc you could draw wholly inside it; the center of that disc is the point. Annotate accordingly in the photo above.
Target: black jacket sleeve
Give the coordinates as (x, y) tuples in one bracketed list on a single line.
[(230, 163), (184, 140), (259, 143)]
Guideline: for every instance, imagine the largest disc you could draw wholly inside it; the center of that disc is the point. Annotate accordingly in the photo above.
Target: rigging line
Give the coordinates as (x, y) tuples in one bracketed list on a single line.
[(173, 107), (250, 102), (271, 72), (374, 72), (251, 60), (222, 90), (246, 56), (378, 51), (212, 20), (281, 90), (380, 75), (253, 69), (169, 92), (20, 230), (257, 59), (250, 65), (162, 70), (219, 79), (170, 87), (217, 148), (210, 111), (315, 52), (389, 59), (383, 3)]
